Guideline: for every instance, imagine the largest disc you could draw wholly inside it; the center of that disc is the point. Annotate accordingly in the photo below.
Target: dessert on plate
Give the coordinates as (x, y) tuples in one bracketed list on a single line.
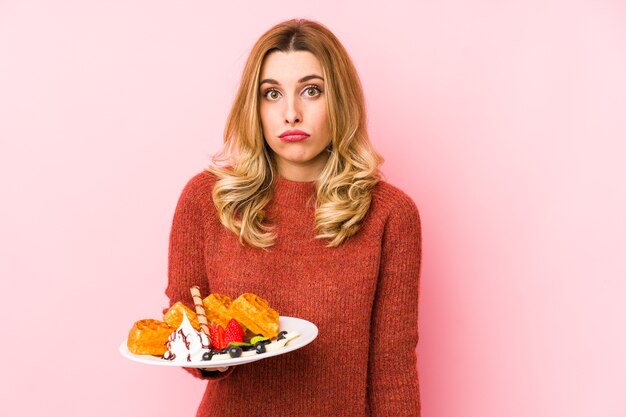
[(219, 329), (148, 337), (256, 314), (186, 343), (174, 315)]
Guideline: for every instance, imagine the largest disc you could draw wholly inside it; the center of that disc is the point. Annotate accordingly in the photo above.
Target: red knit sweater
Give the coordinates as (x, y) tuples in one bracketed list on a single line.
[(362, 295)]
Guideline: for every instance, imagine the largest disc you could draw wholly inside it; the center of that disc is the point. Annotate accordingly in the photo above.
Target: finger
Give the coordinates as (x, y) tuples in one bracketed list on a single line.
[(221, 369)]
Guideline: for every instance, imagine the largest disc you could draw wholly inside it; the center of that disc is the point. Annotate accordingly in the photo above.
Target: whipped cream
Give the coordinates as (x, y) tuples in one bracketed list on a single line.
[(186, 344)]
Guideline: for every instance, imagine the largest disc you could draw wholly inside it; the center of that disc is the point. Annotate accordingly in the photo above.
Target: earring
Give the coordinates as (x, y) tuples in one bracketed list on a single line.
[(329, 148)]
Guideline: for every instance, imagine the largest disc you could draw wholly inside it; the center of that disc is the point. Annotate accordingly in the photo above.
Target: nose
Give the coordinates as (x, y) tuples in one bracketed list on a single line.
[(292, 111)]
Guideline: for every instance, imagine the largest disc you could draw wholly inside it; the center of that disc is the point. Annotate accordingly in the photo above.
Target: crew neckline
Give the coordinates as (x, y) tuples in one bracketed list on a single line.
[(281, 178), (294, 193)]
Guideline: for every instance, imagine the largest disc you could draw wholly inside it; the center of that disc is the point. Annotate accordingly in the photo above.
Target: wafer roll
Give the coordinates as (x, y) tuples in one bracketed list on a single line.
[(197, 301)]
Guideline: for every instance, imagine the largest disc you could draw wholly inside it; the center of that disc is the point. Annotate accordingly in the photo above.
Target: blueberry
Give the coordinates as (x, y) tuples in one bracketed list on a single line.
[(260, 347), (206, 356), (234, 351)]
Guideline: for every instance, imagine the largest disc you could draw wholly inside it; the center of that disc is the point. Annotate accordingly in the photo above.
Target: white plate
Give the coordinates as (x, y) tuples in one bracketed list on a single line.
[(307, 330)]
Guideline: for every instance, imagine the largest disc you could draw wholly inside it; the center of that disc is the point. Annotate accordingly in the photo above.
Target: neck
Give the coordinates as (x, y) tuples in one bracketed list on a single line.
[(307, 172)]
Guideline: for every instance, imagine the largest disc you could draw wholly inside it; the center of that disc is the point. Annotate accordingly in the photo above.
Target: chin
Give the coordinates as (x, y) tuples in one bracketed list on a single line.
[(298, 157)]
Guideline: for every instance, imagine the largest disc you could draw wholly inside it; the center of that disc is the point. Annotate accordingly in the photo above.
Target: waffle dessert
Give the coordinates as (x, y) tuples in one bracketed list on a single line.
[(255, 314), (174, 316), (217, 308), (148, 337)]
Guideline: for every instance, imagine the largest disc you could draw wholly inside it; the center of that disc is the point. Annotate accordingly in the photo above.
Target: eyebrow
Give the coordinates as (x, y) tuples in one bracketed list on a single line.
[(301, 80)]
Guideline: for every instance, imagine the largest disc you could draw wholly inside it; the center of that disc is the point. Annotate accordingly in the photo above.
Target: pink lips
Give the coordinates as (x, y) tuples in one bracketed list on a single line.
[(293, 136)]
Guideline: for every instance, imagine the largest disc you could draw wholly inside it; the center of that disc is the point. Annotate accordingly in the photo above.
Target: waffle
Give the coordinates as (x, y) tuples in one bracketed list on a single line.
[(255, 314), (217, 308), (148, 337), (174, 316)]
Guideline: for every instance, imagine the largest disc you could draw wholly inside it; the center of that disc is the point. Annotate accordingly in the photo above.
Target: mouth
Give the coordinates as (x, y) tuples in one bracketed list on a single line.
[(293, 136)]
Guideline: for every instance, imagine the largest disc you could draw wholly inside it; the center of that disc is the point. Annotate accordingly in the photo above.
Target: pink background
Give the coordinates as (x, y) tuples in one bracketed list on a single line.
[(504, 120)]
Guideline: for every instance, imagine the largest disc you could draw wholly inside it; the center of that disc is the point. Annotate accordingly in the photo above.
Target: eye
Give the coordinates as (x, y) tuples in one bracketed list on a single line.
[(310, 91), (314, 89), (271, 94)]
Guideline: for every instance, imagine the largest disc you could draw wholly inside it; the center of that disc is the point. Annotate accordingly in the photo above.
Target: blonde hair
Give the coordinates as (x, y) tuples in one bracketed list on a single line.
[(245, 168)]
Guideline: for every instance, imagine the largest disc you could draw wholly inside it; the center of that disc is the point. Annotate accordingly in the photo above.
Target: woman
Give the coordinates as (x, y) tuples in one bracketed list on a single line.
[(294, 210)]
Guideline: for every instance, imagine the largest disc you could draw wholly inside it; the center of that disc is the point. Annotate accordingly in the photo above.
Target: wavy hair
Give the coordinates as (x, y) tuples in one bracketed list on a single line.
[(245, 167)]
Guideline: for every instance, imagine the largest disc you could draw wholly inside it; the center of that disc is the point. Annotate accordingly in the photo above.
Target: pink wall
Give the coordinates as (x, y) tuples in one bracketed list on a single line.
[(504, 120)]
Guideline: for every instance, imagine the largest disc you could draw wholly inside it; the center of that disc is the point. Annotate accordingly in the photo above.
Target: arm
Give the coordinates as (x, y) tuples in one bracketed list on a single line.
[(393, 387), (186, 266)]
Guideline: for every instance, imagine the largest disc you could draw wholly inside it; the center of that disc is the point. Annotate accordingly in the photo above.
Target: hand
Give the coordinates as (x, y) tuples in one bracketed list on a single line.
[(222, 369)]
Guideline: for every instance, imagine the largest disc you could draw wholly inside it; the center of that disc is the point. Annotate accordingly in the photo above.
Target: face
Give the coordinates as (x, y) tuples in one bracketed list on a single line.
[(292, 99)]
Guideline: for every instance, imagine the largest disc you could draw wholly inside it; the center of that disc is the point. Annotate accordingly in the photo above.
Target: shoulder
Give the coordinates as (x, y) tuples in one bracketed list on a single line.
[(198, 190), (390, 202), (200, 184), (399, 219)]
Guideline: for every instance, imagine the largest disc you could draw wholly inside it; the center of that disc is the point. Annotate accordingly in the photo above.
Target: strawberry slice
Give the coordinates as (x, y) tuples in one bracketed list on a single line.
[(221, 332), (214, 333), (234, 332)]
